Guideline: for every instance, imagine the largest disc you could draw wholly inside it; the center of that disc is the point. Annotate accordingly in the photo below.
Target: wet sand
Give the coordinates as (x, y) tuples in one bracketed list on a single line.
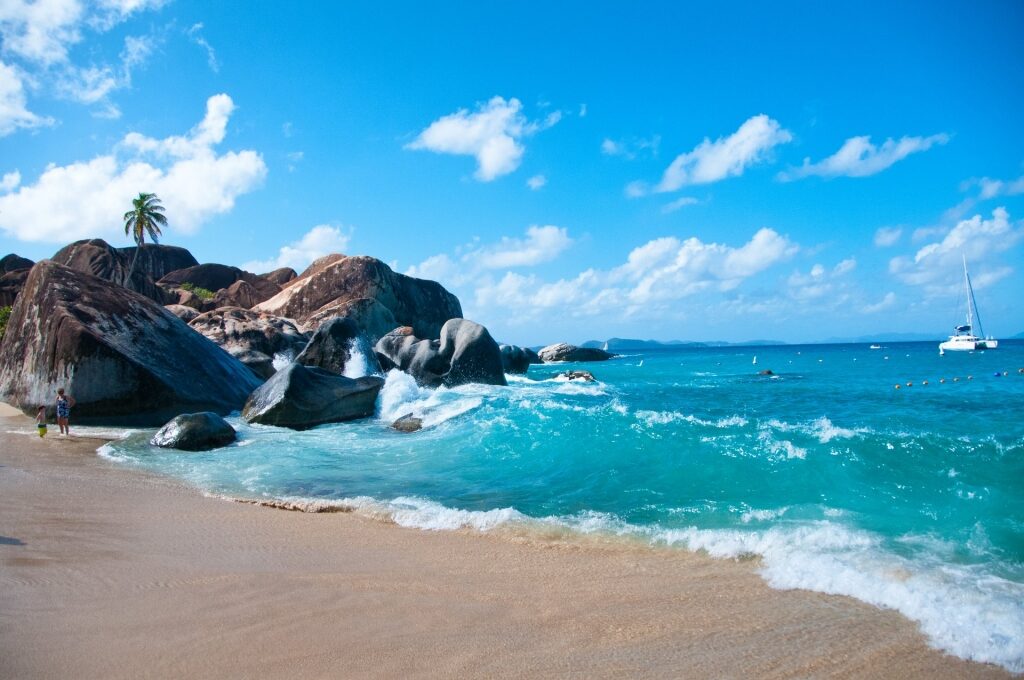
[(107, 572)]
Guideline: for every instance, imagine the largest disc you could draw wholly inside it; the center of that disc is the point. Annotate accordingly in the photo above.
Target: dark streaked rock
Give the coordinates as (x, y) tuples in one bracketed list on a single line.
[(195, 432), (466, 353), (253, 338), (517, 359), (300, 397), (585, 376), (333, 346), (124, 358)]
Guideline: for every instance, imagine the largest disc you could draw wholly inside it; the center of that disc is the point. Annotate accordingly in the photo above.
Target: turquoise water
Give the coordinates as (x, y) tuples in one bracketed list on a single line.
[(911, 499)]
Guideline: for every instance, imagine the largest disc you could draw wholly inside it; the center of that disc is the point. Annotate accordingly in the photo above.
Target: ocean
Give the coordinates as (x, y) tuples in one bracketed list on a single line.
[(910, 498)]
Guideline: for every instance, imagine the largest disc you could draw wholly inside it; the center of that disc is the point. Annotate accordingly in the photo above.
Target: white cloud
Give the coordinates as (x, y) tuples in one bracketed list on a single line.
[(542, 244), (583, 110), (678, 203), (858, 157), (651, 282), (631, 148), (85, 199), (195, 33), (885, 303), (990, 188), (536, 182), (13, 112), (323, 239), (40, 36), (937, 266), (10, 181), (821, 284), (887, 236), (725, 157), (492, 134)]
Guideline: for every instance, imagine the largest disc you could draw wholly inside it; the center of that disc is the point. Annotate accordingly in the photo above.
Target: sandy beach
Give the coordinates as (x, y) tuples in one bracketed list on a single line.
[(111, 573)]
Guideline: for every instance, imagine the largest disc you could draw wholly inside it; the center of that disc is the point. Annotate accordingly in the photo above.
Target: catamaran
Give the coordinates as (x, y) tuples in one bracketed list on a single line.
[(963, 338)]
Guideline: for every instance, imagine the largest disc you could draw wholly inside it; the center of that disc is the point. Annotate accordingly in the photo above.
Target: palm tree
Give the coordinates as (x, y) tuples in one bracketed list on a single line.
[(147, 216)]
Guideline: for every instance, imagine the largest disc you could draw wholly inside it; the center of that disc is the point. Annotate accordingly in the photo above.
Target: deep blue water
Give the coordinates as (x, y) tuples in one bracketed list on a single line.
[(911, 499)]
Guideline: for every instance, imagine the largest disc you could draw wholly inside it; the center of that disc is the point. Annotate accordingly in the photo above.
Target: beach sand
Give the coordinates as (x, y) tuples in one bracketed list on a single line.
[(107, 572)]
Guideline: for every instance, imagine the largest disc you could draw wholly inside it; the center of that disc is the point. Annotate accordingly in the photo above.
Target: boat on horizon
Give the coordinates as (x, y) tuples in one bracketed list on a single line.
[(875, 347), (963, 338)]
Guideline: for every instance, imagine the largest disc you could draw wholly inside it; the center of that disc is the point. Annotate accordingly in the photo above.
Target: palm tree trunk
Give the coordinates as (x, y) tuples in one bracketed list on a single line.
[(131, 270)]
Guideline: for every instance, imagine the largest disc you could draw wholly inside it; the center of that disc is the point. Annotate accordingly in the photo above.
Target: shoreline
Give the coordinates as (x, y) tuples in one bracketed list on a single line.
[(107, 571)]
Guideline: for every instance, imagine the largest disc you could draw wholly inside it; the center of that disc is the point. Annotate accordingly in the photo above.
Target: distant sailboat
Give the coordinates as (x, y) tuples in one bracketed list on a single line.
[(755, 360), (963, 338)]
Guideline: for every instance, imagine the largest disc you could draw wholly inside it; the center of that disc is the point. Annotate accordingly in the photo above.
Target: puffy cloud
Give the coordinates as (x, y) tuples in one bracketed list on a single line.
[(10, 180), (651, 282), (13, 112), (937, 266), (887, 236), (887, 302), (820, 283), (321, 240), (492, 134), (990, 188), (858, 157), (41, 31), (536, 182), (711, 161), (86, 198), (542, 244)]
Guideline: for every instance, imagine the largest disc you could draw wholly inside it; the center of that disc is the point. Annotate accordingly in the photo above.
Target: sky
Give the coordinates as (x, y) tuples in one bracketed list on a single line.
[(572, 170)]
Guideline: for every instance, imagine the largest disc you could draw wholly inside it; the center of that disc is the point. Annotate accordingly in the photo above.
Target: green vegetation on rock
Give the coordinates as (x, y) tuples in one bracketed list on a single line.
[(198, 291), (5, 314)]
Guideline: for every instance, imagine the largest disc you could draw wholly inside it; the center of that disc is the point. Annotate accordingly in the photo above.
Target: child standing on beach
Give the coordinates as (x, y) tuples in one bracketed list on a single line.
[(64, 404), (41, 421)]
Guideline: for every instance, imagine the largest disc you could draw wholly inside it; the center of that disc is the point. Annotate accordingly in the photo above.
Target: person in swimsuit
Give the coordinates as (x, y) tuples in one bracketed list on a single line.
[(64, 404), (41, 421)]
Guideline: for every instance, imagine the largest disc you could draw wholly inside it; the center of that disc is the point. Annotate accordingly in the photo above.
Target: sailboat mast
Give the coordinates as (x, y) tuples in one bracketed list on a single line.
[(971, 305)]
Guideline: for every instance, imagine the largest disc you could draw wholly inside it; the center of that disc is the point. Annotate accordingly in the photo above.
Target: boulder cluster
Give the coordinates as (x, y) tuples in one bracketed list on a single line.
[(143, 335)]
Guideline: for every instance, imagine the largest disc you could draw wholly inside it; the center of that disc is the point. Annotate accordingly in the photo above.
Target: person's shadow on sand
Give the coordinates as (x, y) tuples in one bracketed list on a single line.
[(7, 540)]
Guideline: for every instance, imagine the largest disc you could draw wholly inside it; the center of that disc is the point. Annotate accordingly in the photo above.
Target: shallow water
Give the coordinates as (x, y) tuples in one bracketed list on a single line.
[(911, 499)]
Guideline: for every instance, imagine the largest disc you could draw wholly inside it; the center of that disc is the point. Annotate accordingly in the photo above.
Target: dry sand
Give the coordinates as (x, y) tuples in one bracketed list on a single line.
[(111, 573)]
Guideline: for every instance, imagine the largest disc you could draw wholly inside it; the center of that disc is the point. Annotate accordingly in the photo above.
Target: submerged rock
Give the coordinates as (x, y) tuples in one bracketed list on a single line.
[(565, 352), (301, 397), (195, 432), (124, 358), (517, 359), (408, 423), (333, 346), (585, 376), (466, 353)]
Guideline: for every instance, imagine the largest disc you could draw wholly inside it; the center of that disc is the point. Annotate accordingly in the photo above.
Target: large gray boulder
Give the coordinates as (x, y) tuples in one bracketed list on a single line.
[(124, 358), (371, 317), (280, 276), (195, 432), (99, 258), (13, 263), (335, 344), (301, 397), (516, 359), (13, 273), (466, 353), (331, 285), (251, 337), (565, 352)]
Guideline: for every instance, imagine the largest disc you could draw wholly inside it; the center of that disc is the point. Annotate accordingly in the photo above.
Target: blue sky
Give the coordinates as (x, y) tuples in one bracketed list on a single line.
[(582, 170)]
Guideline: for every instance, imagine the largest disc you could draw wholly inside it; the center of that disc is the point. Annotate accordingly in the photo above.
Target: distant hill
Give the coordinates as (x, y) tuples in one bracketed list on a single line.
[(884, 337), (1019, 336), (632, 344)]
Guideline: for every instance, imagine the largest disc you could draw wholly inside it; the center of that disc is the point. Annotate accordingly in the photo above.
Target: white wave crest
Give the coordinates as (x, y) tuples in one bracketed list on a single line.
[(652, 418), (401, 395)]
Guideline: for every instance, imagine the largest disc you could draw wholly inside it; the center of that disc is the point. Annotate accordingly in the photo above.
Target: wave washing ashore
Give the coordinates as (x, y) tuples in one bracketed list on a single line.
[(911, 499)]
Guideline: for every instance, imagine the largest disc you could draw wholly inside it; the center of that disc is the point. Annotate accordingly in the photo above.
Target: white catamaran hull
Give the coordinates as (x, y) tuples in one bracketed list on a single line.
[(961, 345)]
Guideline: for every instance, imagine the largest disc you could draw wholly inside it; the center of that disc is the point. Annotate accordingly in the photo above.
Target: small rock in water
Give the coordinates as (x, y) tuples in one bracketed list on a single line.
[(408, 423), (585, 376), (766, 371), (195, 432)]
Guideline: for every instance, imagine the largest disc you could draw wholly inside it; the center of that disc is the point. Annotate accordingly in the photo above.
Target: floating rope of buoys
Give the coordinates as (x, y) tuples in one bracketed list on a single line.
[(924, 382), (897, 385)]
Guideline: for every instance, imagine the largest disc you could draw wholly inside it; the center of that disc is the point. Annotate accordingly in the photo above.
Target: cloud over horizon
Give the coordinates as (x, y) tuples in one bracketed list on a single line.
[(323, 239)]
